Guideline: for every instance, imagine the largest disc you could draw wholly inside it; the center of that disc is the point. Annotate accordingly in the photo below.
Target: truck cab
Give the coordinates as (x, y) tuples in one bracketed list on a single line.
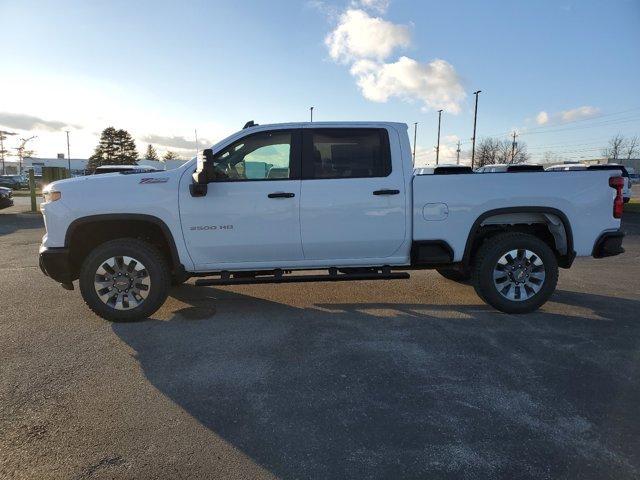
[(317, 196)]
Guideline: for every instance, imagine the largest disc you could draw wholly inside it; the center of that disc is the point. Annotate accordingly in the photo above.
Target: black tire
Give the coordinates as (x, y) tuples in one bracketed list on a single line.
[(156, 268), (487, 259), (455, 274)]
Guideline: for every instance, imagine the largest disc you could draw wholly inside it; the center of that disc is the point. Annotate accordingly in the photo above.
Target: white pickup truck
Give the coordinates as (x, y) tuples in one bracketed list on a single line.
[(340, 198)]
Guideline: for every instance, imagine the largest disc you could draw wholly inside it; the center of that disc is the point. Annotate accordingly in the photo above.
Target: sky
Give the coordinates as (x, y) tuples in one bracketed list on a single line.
[(563, 74)]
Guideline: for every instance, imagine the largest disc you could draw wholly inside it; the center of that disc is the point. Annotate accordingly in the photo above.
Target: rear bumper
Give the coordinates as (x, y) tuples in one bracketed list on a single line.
[(608, 244), (56, 263)]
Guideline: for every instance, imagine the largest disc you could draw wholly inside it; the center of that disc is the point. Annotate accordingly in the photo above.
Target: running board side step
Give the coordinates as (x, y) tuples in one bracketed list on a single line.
[(330, 277)]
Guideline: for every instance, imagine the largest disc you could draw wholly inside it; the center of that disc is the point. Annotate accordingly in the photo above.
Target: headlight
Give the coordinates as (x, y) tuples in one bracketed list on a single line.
[(50, 196)]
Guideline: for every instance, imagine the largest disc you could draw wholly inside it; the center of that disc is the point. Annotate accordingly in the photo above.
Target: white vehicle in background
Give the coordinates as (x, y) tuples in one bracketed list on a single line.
[(272, 200), (125, 168), (633, 176), (572, 167), (510, 168)]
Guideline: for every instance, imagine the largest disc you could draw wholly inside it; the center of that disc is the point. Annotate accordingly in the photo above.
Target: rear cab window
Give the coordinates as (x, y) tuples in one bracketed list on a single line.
[(334, 153)]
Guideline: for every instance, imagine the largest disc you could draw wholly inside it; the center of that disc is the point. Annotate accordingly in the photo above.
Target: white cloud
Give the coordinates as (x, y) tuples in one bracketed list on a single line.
[(360, 36), (22, 121), (542, 118), (379, 6), (37, 100), (448, 154), (175, 141), (435, 84), (579, 113), (366, 42)]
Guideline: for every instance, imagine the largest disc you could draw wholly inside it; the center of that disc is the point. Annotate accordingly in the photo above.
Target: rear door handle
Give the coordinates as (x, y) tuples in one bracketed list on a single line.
[(281, 195), (386, 192)]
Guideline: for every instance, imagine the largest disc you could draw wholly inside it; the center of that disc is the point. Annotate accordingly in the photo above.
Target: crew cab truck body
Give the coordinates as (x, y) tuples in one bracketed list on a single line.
[(341, 197)]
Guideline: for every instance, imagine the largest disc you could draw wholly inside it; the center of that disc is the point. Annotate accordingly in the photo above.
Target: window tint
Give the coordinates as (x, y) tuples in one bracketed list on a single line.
[(261, 156), (347, 153)]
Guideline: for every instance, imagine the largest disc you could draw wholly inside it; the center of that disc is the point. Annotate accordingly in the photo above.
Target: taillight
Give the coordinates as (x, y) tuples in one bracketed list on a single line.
[(618, 202)]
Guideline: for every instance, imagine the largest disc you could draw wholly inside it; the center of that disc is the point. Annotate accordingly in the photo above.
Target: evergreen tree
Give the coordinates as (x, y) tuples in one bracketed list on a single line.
[(151, 153), (170, 156), (116, 147)]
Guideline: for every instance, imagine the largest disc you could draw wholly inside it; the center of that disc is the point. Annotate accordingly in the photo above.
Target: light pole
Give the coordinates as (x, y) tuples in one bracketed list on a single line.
[(311, 112), (415, 133), (68, 154), (2, 150), (438, 146), (473, 140)]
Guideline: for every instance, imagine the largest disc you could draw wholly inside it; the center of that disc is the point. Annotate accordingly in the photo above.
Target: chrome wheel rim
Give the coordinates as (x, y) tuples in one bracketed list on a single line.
[(519, 275), (122, 283)]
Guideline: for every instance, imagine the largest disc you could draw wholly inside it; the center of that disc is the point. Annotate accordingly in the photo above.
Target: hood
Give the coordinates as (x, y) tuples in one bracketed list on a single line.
[(110, 178)]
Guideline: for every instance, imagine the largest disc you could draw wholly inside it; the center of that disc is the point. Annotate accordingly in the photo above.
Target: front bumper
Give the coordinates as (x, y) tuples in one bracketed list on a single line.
[(608, 244), (56, 263)]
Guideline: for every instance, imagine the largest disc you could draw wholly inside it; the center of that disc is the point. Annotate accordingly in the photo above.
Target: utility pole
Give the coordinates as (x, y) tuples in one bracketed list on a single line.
[(513, 146), (438, 147), (68, 154), (458, 152), (473, 140), (311, 112), (415, 133)]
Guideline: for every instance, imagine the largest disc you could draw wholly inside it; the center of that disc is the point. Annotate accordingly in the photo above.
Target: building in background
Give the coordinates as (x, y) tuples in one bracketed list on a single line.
[(78, 166)]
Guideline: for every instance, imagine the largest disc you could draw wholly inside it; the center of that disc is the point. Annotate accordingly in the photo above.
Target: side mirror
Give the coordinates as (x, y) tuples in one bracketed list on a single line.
[(203, 174)]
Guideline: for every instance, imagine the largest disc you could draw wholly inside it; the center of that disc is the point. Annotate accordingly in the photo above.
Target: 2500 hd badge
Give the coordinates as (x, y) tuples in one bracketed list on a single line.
[(211, 227)]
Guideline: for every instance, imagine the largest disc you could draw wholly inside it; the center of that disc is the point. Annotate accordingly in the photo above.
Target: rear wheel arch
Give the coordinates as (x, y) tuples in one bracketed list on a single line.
[(551, 224)]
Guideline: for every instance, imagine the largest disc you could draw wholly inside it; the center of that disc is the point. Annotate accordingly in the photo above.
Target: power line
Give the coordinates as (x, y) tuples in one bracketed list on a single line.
[(561, 126)]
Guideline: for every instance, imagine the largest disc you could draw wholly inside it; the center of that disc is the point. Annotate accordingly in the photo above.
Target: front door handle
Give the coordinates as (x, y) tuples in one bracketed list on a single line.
[(386, 192), (281, 195)]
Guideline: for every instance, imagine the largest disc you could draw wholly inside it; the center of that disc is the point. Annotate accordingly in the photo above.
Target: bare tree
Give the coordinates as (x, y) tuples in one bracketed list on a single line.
[(493, 150), (632, 147), (551, 157), (615, 147), (487, 152), (22, 152)]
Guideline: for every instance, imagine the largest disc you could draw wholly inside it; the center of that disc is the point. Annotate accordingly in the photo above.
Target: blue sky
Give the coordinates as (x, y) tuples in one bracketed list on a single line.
[(163, 69)]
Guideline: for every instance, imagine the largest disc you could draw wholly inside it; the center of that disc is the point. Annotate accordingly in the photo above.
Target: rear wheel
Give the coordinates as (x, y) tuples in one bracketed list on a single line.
[(515, 272), (124, 280)]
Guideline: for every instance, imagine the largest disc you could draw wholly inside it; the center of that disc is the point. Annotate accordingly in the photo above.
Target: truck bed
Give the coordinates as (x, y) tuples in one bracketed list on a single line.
[(446, 207)]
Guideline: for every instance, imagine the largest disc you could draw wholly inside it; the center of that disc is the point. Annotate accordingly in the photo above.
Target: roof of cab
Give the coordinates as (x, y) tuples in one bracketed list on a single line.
[(336, 124)]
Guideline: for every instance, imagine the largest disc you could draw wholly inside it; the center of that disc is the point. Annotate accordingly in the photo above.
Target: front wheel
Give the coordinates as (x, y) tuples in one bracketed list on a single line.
[(124, 280), (515, 272)]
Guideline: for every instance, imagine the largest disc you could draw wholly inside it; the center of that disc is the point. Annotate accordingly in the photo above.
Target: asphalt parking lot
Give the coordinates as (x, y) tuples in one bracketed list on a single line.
[(401, 379)]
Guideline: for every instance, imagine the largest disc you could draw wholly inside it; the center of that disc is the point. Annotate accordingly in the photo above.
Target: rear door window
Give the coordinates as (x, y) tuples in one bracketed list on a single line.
[(346, 153)]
